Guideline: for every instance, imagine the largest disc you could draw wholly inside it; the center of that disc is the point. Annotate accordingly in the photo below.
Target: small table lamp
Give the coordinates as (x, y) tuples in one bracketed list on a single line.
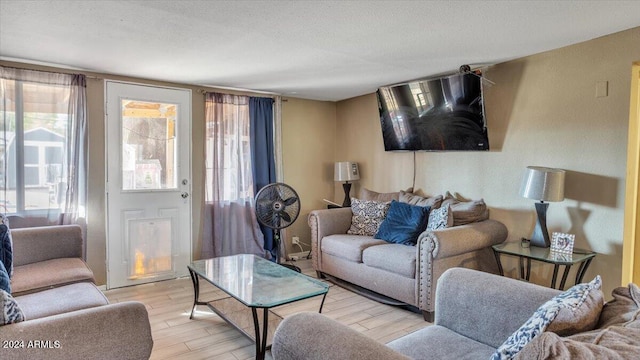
[(346, 171), (544, 184)]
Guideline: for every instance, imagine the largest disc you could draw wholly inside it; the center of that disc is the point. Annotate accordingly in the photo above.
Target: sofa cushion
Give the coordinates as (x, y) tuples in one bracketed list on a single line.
[(61, 300), (349, 247), (50, 273), (623, 309), (433, 202), (440, 218), (543, 316), (466, 211), (367, 215), (438, 342), (396, 258), (403, 223), (10, 311)]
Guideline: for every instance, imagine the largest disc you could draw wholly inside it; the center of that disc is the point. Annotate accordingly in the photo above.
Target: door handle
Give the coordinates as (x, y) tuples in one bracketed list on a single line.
[(184, 195)]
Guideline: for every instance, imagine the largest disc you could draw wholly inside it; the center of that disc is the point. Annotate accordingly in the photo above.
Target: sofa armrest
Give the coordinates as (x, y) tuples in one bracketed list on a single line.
[(116, 331), (464, 238), (324, 223), (37, 244), (465, 245), (486, 307), (315, 336)]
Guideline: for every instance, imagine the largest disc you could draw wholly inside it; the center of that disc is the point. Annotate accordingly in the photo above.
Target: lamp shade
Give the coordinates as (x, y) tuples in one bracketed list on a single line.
[(346, 171), (543, 183)]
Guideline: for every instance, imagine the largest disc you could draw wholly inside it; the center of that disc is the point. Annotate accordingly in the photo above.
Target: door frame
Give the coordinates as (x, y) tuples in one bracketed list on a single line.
[(631, 240), (188, 147)]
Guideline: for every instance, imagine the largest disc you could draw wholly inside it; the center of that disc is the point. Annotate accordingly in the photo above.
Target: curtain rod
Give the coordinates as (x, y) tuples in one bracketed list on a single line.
[(266, 96)]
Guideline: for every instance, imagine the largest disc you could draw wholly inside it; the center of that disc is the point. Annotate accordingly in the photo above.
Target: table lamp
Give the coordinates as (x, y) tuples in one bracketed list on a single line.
[(346, 171), (543, 184)]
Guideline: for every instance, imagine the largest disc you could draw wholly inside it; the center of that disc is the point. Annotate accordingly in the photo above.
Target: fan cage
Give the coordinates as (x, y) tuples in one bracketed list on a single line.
[(277, 206)]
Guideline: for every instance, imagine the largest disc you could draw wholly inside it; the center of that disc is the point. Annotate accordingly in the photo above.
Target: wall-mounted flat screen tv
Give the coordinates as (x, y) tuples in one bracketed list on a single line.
[(434, 115)]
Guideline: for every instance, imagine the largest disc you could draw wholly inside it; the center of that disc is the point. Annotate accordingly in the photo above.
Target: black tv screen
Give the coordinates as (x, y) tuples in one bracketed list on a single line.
[(434, 115)]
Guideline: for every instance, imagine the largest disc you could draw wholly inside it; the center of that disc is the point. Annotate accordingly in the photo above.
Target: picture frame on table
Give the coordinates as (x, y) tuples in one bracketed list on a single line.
[(562, 243)]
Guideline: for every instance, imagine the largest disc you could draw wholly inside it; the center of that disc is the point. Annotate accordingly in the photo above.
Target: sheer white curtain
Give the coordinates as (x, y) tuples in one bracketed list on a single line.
[(43, 147), (230, 225)]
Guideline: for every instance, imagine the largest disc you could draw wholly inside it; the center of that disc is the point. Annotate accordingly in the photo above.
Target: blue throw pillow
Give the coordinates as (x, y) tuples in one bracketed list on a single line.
[(403, 224), (5, 283), (6, 251)]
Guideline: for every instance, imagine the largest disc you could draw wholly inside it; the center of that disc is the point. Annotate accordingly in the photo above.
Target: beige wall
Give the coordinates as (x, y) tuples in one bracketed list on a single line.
[(308, 146), (541, 111)]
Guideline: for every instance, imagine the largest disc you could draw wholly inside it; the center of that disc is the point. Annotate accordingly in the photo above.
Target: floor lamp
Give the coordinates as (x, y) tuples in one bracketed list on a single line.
[(346, 171), (543, 184)]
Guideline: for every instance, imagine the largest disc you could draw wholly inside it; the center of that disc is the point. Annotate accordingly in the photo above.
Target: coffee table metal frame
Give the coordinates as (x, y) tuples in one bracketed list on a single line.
[(260, 339)]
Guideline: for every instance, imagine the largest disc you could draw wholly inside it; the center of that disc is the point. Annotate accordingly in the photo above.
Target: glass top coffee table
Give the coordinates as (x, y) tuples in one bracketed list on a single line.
[(255, 283)]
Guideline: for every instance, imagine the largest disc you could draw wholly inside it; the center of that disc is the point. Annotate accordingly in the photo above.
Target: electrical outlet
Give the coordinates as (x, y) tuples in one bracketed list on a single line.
[(295, 240)]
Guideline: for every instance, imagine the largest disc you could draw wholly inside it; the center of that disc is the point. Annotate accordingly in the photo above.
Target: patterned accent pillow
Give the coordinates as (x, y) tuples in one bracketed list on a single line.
[(538, 323), (580, 319), (367, 215), (11, 312), (440, 218), (6, 245)]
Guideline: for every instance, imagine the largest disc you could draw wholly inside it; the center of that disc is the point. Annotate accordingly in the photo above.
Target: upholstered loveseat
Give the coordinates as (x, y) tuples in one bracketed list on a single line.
[(404, 274), (476, 313), (65, 315)]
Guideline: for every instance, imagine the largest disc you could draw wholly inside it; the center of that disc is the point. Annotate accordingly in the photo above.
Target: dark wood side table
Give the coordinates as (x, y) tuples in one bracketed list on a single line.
[(526, 254)]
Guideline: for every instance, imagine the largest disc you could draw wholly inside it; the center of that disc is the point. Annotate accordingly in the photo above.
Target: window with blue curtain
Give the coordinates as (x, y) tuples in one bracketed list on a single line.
[(239, 162)]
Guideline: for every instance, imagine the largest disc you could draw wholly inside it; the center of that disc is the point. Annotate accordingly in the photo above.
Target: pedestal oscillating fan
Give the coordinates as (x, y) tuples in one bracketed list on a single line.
[(277, 207)]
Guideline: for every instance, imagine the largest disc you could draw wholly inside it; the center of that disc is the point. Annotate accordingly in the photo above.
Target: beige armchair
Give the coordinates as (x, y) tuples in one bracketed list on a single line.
[(66, 315)]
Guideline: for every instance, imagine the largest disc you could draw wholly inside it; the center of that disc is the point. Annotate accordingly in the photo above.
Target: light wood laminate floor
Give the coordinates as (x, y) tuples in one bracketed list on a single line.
[(207, 336)]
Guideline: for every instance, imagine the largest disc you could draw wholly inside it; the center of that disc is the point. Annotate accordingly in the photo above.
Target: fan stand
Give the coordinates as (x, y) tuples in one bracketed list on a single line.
[(276, 242)]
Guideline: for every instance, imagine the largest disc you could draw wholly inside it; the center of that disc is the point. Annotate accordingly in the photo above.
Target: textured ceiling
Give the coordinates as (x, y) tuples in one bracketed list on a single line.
[(324, 50)]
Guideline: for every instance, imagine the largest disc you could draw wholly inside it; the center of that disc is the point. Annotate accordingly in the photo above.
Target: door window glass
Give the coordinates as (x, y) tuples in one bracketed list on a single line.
[(148, 145)]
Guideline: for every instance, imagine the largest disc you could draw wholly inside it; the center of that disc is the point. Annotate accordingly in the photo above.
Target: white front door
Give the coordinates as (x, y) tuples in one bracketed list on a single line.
[(148, 183)]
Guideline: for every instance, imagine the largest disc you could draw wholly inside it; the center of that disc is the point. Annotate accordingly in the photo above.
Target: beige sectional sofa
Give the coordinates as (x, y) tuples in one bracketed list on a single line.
[(477, 312), (66, 315), (402, 274)]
